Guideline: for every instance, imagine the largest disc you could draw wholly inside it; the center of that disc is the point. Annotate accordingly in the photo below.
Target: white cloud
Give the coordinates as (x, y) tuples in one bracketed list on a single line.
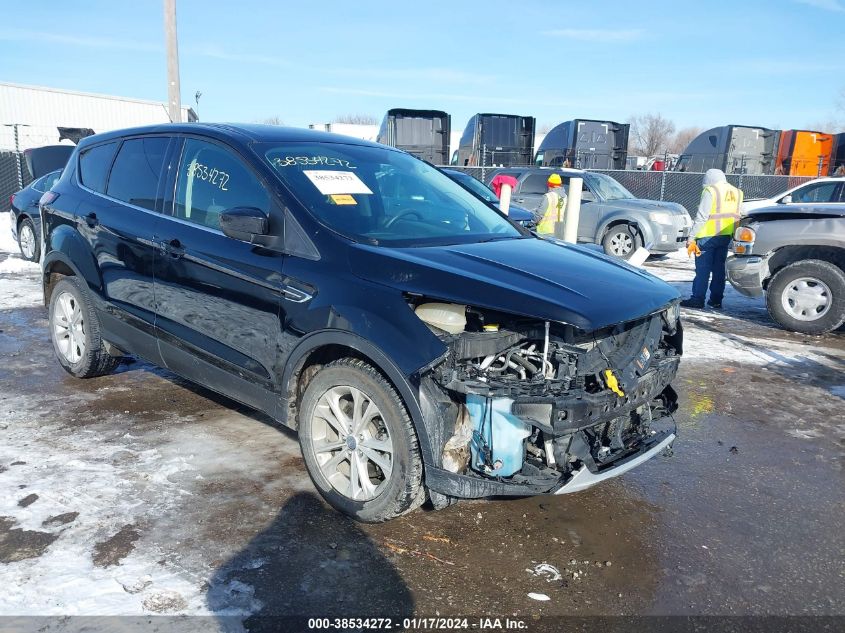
[(597, 35), (33, 37), (826, 5), (216, 52)]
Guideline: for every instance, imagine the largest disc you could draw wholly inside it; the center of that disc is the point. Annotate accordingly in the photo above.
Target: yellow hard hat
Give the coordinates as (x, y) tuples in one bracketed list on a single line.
[(554, 180)]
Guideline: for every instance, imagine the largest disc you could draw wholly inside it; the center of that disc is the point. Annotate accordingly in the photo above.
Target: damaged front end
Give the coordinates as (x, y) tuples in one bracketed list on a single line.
[(519, 406)]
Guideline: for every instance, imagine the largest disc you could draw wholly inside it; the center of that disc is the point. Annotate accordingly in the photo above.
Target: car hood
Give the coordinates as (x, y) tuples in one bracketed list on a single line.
[(637, 204), (532, 277), (797, 211)]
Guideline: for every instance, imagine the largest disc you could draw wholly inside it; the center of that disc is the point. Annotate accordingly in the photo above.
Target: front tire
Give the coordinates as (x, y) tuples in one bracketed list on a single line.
[(621, 241), (28, 240), (359, 443), (808, 297), (75, 331)]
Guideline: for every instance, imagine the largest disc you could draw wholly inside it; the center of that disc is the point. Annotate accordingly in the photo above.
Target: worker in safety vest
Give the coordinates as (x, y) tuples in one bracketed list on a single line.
[(710, 237), (552, 205)]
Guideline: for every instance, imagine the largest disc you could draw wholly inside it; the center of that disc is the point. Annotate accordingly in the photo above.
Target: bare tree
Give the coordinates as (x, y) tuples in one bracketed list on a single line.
[(682, 139), (356, 119), (545, 128), (651, 134), (271, 120)]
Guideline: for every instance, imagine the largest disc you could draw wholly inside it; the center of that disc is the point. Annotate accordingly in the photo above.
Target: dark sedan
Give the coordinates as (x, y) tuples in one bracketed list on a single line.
[(26, 219), (515, 213)]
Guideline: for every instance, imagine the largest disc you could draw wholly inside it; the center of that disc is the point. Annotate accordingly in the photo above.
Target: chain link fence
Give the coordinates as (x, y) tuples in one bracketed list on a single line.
[(13, 176), (683, 188)]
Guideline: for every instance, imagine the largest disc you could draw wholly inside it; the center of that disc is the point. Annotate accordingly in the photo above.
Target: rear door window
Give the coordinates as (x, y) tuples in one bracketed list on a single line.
[(94, 166), (135, 175)]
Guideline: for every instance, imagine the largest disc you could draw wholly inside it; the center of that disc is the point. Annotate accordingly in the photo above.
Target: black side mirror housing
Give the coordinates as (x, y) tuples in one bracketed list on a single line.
[(244, 223)]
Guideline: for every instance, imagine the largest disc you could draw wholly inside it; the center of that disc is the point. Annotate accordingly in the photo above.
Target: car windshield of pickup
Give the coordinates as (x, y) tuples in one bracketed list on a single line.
[(606, 187), (383, 197)]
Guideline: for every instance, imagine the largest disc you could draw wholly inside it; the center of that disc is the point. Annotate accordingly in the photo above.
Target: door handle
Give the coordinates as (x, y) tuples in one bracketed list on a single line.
[(91, 220), (173, 248)]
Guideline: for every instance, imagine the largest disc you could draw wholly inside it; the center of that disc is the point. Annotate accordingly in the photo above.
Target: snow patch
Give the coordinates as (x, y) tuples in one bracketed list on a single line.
[(7, 242)]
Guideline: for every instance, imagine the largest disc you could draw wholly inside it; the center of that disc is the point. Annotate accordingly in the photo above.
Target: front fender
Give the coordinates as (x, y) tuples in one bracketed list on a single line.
[(407, 387), (623, 217)]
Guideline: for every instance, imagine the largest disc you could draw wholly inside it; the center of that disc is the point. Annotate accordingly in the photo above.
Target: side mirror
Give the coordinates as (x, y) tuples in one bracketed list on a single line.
[(243, 223), (786, 200)]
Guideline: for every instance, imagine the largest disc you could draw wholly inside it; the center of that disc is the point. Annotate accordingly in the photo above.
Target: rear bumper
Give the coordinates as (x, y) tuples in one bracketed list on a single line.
[(747, 274)]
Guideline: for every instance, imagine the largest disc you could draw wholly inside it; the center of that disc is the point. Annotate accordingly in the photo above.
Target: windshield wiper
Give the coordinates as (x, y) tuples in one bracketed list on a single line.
[(499, 238)]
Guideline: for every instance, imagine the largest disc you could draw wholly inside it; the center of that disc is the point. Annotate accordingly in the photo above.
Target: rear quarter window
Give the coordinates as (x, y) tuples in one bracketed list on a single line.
[(94, 166)]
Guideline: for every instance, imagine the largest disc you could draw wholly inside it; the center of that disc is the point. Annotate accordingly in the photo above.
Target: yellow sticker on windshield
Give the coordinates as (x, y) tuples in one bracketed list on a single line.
[(342, 198)]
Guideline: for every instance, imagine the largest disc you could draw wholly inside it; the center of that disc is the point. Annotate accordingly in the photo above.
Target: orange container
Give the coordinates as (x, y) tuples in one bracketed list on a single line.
[(804, 153)]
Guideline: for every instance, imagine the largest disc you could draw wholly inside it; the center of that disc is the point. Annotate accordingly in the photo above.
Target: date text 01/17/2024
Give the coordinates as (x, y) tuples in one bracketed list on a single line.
[(418, 624)]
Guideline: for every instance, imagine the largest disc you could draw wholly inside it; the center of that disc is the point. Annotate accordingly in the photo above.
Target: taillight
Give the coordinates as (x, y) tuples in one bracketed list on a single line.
[(48, 198)]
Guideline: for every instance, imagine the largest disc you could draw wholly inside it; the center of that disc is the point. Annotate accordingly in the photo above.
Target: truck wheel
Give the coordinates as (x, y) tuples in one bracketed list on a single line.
[(75, 331), (808, 296), (359, 443), (28, 241), (621, 241)]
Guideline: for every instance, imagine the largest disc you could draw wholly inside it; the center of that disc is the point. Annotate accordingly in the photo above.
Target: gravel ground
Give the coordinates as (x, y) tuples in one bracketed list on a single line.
[(139, 494)]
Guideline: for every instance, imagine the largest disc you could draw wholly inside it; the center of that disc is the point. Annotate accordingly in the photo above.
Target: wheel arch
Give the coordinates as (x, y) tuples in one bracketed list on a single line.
[(320, 348), (68, 255), (792, 254), (610, 222)]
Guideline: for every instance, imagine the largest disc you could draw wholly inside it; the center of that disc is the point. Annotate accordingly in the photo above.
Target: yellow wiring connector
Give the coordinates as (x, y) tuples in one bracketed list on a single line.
[(613, 383)]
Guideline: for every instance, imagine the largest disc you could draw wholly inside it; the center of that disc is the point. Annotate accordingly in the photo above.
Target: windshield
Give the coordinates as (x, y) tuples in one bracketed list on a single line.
[(606, 187), (475, 186), (382, 196)]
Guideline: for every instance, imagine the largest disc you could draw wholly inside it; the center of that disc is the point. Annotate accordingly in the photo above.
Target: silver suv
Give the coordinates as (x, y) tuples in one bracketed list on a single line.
[(796, 256), (610, 214)]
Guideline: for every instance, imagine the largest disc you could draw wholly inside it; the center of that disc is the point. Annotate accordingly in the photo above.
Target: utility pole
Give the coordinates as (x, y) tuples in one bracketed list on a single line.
[(174, 98)]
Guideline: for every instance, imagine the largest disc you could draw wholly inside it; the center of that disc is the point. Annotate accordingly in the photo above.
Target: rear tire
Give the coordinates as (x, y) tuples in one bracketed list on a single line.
[(75, 331), (28, 240), (621, 241), (374, 472), (808, 297)]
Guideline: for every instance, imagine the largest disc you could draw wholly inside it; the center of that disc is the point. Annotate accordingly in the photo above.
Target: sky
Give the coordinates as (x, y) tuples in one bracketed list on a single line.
[(771, 63)]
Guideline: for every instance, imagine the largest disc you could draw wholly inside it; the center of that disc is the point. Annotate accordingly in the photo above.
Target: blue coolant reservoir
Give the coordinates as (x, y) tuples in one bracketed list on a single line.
[(498, 438)]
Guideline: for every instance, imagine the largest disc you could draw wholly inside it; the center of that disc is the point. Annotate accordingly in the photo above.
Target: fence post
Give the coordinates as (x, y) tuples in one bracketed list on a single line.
[(18, 167), (483, 160), (663, 175)]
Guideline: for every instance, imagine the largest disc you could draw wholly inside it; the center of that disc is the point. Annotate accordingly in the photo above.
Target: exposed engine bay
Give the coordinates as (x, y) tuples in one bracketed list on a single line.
[(527, 404)]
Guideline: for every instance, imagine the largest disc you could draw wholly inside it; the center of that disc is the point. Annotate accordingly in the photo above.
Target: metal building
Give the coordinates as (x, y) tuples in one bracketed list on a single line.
[(34, 114)]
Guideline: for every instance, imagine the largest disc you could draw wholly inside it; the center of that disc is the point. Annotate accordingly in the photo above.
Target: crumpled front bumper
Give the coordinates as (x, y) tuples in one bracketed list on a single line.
[(583, 478), (747, 273)]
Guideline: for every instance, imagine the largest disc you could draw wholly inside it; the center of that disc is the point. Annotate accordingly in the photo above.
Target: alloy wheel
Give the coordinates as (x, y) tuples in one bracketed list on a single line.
[(353, 447), (69, 328), (621, 243), (27, 240)]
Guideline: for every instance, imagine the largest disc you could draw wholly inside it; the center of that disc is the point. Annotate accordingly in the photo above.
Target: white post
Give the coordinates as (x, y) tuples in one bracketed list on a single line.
[(505, 199), (573, 211), (174, 92)]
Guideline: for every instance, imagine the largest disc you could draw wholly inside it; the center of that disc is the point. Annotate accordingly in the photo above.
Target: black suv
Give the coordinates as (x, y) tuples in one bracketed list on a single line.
[(422, 344)]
